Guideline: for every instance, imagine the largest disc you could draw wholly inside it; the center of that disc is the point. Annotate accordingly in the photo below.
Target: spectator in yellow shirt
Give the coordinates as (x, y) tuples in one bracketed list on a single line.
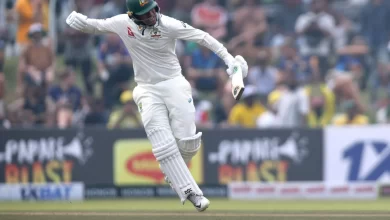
[(245, 113), (29, 12), (269, 118), (127, 116), (322, 103), (352, 115)]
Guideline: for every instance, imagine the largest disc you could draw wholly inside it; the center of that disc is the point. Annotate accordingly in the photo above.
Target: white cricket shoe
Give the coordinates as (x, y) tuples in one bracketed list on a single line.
[(201, 203)]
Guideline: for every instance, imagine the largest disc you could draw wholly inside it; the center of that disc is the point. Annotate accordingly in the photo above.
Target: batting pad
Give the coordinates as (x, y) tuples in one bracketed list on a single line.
[(172, 164), (188, 147)]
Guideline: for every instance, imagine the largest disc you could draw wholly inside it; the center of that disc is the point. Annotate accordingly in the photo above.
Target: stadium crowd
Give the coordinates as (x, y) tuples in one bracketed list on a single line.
[(312, 63)]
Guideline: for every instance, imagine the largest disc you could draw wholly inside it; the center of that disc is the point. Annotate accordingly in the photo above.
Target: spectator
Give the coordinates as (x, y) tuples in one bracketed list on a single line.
[(2, 76), (293, 106), (263, 75), (37, 61), (351, 115), (182, 10), (381, 85), (115, 69), (380, 93), (342, 30), (353, 58), (35, 106), (249, 25), (205, 71), (64, 115), (97, 115), (30, 12), (383, 114), (203, 111), (10, 27), (245, 113), (66, 92), (315, 29), (288, 15), (211, 17), (345, 88), (4, 123), (113, 8), (223, 106), (291, 61), (269, 118), (322, 103), (126, 116), (375, 26), (78, 48)]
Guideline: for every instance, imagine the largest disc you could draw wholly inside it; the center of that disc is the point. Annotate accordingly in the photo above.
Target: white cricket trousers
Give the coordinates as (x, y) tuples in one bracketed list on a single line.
[(167, 104)]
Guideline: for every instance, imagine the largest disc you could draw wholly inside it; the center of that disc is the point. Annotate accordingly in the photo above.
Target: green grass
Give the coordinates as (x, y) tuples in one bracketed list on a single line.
[(216, 204), (164, 209)]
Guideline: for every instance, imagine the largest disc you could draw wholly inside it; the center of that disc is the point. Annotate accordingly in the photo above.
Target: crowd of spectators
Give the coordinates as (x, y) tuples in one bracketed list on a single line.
[(312, 63)]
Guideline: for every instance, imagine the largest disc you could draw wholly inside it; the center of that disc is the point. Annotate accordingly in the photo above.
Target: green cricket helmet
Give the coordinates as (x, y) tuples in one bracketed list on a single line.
[(143, 12)]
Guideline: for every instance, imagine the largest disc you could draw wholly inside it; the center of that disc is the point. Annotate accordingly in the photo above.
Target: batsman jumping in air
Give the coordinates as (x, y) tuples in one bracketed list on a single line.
[(163, 95)]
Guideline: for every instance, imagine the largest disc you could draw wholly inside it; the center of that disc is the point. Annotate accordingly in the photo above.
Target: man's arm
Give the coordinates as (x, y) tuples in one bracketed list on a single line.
[(327, 25), (237, 66), (23, 11), (82, 23), (303, 23), (184, 31)]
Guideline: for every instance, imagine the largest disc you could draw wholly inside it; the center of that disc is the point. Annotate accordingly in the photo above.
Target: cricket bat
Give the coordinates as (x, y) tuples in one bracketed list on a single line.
[(237, 82)]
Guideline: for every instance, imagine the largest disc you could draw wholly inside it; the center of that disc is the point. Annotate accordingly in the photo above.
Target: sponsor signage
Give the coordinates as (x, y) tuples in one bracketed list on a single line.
[(354, 154), (42, 192), (262, 155), (135, 164), (142, 191), (60, 156), (302, 190), (100, 192)]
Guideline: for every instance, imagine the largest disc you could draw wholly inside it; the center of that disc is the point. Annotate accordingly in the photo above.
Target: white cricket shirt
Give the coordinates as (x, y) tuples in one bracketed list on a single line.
[(153, 53)]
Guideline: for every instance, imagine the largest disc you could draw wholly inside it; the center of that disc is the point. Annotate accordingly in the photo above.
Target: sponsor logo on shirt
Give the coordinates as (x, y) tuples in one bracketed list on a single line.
[(155, 34), (130, 33)]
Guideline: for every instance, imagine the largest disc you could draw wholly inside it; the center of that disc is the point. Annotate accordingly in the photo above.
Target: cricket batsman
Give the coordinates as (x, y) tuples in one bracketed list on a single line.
[(163, 95)]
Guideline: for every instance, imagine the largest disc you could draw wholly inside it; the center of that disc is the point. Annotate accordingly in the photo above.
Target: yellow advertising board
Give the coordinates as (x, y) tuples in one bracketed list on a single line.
[(135, 164)]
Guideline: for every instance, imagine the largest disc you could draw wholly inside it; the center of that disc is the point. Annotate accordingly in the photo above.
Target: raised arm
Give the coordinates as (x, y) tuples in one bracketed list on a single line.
[(82, 23)]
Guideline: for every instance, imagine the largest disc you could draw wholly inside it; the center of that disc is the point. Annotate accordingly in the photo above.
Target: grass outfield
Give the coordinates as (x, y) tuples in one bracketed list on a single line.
[(167, 209)]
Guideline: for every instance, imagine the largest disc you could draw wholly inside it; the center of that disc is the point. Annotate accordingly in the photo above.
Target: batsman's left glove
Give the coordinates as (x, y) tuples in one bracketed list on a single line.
[(241, 61)]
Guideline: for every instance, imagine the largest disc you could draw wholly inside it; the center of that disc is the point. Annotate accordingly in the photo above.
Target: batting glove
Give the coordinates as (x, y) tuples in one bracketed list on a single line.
[(77, 21), (240, 61)]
